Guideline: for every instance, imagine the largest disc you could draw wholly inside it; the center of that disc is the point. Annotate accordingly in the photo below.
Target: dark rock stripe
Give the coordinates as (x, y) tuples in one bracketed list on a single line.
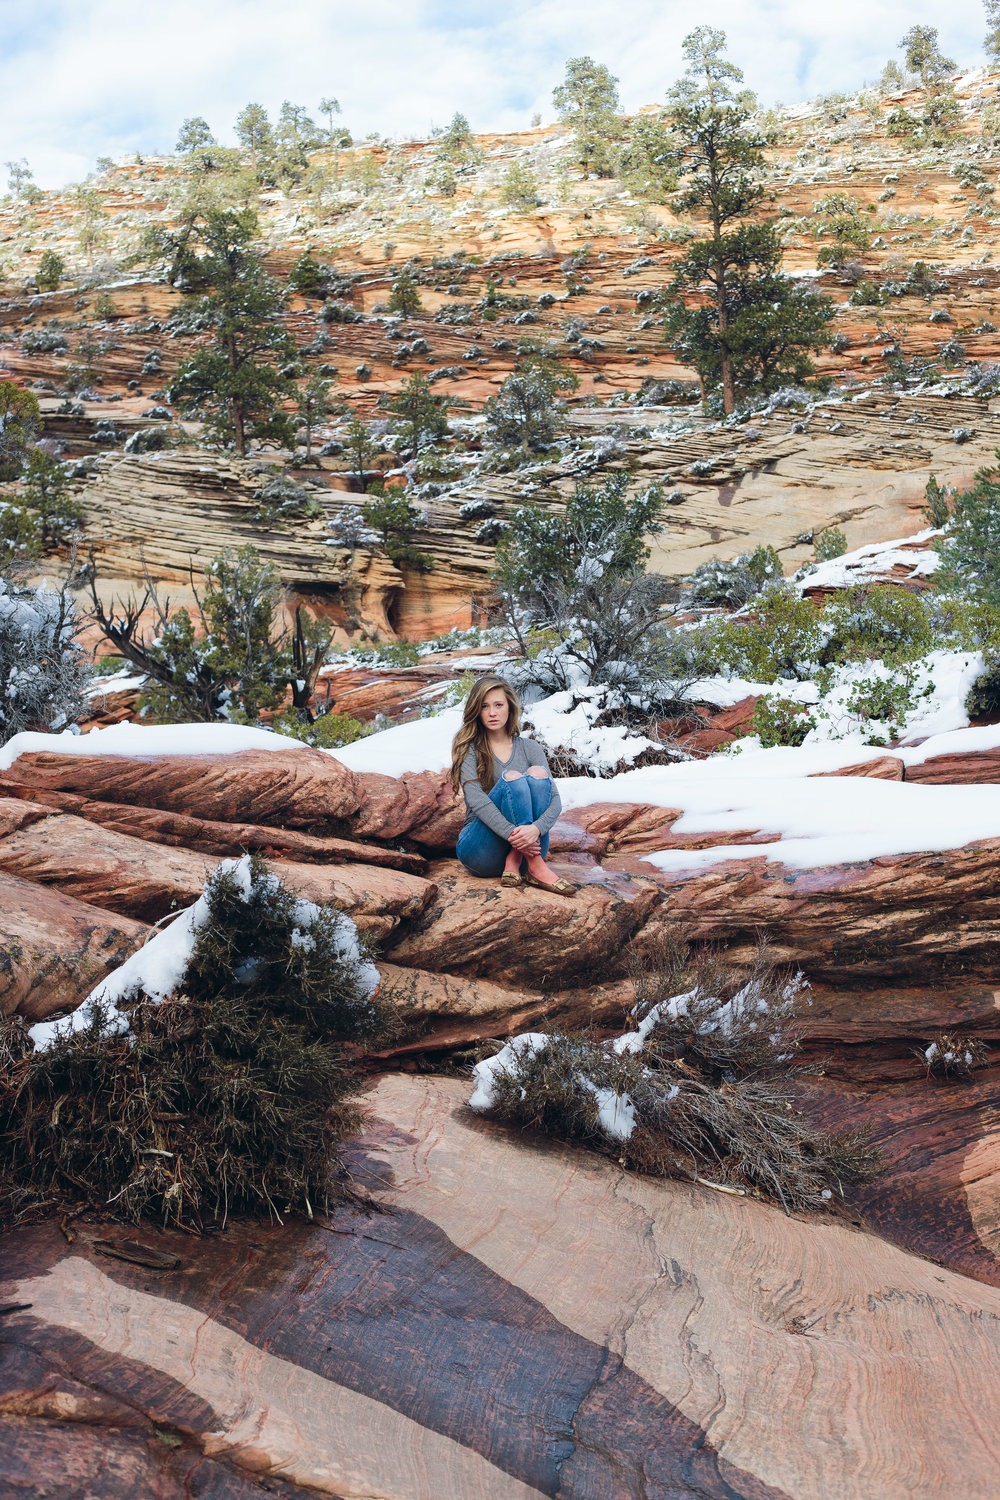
[(392, 1309)]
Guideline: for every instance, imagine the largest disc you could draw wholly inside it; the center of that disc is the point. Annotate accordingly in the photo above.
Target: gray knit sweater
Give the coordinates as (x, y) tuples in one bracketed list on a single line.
[(477, 803)]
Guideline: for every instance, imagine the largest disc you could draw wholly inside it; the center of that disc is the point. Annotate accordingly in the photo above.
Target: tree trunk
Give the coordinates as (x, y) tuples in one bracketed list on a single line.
[(239, 432)]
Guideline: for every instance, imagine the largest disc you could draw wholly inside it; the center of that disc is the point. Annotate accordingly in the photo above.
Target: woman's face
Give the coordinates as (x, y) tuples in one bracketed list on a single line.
[(495, 710)]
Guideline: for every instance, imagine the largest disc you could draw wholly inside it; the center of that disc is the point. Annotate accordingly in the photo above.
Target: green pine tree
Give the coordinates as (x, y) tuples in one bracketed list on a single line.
[(587, 101), (235, 384), (422, 416), (751, 327), (404, 297)]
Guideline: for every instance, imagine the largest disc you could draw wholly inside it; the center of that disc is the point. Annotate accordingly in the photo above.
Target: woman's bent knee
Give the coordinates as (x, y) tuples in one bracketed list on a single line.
[(538, 772), (512, 776)]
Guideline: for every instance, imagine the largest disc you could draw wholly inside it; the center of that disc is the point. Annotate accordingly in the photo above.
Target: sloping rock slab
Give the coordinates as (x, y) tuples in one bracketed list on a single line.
[(147, 881), (883, 768), (475, 927), (440, 1011), (527, 1321), (905, 916), (420, 805), (974, 768), (940, 1194), (54, 950), (299, 788), (221, 839)]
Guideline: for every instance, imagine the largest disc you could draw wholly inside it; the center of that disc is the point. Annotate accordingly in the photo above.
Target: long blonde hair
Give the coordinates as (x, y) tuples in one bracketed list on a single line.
[(473, 733)]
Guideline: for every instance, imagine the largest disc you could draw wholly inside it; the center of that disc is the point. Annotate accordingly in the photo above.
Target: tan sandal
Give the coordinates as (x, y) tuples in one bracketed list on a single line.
[(511, 879), (560, 888)]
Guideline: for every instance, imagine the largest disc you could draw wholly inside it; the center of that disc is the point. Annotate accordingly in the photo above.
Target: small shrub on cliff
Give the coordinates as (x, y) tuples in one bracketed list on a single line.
[(829, 544), (970, 551), (953, 1056), (734, 583), (704, 1084), (43, 672), (210, 1075), (233, 661)]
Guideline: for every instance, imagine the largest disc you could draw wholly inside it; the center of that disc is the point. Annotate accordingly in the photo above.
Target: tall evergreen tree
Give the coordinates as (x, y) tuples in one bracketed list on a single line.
[(991, 42), (194, 135), (751, 326), (404, 297), (253, 131), (587, 100), (235, 384), (422, 415)]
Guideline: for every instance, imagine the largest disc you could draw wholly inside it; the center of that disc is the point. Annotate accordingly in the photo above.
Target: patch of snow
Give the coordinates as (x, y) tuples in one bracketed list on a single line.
[(423, 745), (872, 561), (615, 1112), (565, 721), (141, 740)]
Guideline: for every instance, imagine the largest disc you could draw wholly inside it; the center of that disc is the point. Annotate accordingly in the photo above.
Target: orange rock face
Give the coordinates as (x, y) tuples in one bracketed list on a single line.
[(524, 1320), (302, 788), (55, 949)]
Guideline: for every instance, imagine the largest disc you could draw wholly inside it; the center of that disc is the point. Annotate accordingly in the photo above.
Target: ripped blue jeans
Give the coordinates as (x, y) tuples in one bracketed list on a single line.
[(484, 852)]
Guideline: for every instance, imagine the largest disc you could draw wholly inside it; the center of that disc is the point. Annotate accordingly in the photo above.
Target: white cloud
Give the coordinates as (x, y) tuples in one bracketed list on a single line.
[(106, 77)]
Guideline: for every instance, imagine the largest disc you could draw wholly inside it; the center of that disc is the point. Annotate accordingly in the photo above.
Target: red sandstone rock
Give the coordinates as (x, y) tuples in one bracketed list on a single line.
[(900, 917), (885, 768), (207, 837), (475, 927), (440, 1011), (612, 1334), (54, 949), (975, 768), (420, 805), (138, 879), (302, 788)]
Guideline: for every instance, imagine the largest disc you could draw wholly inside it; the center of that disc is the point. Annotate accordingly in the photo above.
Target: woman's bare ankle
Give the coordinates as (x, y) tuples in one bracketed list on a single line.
[(512, 865), (540, 870)]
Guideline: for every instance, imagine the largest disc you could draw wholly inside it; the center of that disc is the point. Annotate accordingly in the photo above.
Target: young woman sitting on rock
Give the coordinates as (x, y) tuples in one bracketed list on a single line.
[(510, 799)]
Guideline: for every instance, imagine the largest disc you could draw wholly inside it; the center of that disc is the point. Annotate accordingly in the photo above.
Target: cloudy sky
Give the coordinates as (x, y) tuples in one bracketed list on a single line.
[(88, 78)]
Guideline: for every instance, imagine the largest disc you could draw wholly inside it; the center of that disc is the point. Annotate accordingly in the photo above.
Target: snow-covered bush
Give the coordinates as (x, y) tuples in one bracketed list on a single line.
[(953, 1056), (43, 672), (148, 440), (44, 341), (210, 1075), (733, 583), (348, 528), (704, 1083)]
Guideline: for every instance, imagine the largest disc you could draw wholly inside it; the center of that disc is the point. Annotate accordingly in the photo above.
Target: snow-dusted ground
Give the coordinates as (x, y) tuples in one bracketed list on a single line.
[(149, 739)]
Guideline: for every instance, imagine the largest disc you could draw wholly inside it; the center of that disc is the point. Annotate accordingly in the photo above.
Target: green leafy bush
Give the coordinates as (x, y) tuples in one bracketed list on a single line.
[(326, 732), (970, 552), (829, 544), (777, 721), (876, 620), (938, 506), (885, 700), (779, 635), (227, 1096)]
